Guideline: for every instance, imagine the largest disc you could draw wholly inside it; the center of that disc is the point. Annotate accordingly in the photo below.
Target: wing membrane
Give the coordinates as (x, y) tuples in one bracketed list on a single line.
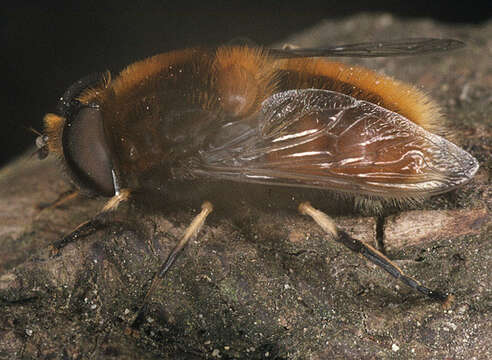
[(401, 47), (324, 139)]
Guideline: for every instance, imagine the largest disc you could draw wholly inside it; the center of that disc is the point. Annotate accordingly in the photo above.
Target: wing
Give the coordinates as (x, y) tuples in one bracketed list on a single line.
[(324, 139), (401, 47)]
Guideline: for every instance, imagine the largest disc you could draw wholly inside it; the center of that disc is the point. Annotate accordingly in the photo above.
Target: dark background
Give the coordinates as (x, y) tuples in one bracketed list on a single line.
[(48, 45)]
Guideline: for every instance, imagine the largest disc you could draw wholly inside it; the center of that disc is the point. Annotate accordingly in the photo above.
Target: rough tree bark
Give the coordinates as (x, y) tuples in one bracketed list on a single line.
[(269, 285)]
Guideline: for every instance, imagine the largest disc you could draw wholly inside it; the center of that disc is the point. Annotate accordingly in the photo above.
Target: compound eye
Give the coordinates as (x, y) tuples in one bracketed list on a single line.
[(86, 151)]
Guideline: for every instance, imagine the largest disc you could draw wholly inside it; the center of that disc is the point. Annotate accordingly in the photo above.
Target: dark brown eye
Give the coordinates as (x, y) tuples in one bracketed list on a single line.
[(69, 103), (86, 151)]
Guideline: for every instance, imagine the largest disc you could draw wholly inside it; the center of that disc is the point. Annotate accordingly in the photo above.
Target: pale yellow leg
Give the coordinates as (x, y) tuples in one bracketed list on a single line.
[(93, 224), (189, 233), (369, 252)]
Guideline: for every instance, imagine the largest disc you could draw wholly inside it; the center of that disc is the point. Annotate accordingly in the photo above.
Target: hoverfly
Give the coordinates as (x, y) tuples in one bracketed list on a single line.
[(256, 115)]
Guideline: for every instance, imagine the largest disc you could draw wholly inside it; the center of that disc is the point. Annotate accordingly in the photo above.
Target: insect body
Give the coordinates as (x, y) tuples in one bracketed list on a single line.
[(276, 117)]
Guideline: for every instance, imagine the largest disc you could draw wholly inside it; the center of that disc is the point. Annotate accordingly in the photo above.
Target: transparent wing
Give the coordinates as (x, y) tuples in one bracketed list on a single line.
[(324, 139), (401, 47)]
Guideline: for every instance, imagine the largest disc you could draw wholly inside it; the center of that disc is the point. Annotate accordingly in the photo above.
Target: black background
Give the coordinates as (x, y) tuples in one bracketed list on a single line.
[(48, 45)]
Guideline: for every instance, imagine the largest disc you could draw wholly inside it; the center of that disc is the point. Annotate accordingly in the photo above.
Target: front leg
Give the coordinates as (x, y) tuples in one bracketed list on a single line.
[(99, 221)]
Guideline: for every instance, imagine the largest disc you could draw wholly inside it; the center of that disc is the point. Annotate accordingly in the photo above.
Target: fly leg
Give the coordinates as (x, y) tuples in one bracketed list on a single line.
[(370, 253), (98, 222), (191, 231), (62, 199)]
